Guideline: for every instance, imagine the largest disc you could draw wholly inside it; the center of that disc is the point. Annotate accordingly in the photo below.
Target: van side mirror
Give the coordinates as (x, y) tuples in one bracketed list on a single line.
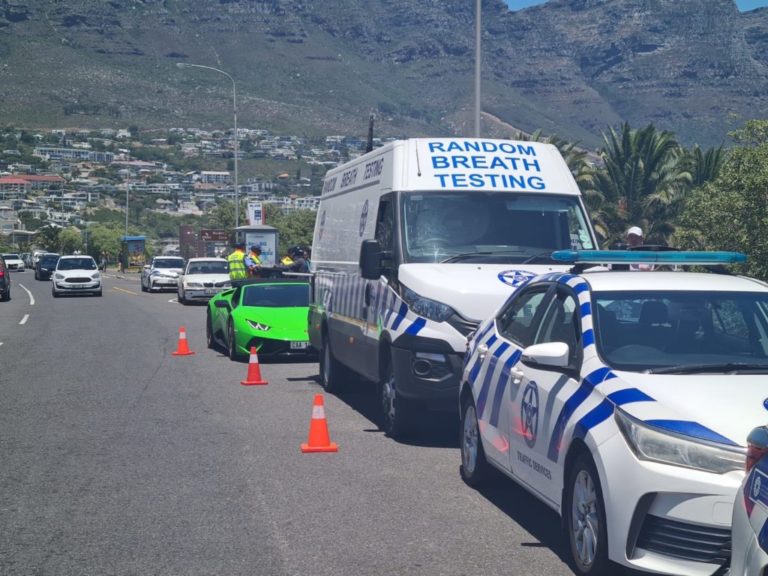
[(370, 259)]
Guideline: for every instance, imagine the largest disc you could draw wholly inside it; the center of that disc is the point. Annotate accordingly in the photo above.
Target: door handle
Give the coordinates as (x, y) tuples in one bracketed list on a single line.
[(367, 295), (482, 350), (517, 375)]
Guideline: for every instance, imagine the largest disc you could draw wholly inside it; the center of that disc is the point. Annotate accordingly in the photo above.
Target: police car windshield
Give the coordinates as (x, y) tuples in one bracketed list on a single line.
[(682, 332), (490, 227)]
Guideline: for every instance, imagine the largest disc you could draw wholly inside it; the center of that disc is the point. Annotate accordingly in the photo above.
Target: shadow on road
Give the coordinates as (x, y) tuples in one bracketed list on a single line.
[(432, 429)]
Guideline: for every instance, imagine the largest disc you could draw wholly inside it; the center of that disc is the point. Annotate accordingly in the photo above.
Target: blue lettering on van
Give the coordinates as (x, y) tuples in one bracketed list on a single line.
[(348, 178), (485, 163), (373, 169), (483, 146), (502, 181), (329, 185)]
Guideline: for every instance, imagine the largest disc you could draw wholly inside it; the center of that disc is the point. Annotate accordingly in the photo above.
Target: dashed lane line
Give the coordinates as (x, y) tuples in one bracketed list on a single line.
[(131, 292), (31, 298), (24, 320)]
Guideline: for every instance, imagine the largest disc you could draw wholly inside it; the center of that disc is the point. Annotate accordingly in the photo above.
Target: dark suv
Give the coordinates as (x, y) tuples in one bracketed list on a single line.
[(5, 281), (46, 264)]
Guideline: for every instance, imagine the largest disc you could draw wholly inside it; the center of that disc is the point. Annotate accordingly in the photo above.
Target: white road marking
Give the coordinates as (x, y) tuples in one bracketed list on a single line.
[(173, 300), (31, 298), (24, 320), (1, 343)]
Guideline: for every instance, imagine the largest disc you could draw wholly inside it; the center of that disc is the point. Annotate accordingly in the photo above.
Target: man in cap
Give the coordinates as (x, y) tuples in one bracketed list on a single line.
[(253, 261), (635, 239), (237, 270), (634, 236)]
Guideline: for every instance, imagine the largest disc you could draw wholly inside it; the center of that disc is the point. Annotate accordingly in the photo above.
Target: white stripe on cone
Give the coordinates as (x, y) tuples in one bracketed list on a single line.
[(318, 413)]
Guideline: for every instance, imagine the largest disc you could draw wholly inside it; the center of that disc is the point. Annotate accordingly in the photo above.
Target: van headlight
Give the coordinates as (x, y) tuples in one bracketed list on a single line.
[(430, 309), (657, 445)]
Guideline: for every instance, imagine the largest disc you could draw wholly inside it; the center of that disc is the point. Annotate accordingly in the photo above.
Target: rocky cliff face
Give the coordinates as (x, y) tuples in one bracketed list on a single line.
[(571, 67)]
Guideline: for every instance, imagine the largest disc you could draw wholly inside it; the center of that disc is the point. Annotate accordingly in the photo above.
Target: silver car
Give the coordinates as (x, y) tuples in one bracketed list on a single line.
[(162, 274)]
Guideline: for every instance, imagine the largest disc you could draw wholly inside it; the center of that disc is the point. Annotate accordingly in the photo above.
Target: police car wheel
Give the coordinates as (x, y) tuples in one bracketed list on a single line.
[(396, 411), (585, 519), (143, 288), (474, 467)]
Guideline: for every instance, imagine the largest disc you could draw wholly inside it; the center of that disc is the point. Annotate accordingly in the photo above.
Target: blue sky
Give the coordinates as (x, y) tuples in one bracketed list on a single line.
[(742, 4)]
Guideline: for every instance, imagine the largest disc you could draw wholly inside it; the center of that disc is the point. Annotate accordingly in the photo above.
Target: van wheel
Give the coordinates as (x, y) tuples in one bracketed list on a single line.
[(332, 372), (397, 412), (584, 515), (474, 467)]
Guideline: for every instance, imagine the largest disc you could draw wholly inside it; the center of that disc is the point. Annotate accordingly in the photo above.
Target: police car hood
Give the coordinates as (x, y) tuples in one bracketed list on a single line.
[(474, 290), (717, 407)]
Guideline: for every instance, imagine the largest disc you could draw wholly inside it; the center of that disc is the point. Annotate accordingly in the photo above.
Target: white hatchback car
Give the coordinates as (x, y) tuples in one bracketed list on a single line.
[(14, 262), (202, 279), (162, 274), (621, 400), (76, 275), (750, 511)]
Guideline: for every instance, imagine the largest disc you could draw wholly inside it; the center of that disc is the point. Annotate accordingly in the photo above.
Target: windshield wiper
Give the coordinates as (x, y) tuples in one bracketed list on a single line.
[(727, 367), (464, 256), (540, 256)]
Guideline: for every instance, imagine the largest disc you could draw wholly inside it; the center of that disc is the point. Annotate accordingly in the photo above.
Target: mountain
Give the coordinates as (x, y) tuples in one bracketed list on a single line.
[(570, 67)]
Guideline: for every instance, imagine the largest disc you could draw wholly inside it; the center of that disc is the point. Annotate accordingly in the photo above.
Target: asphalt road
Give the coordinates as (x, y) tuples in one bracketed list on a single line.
[(118, 458)]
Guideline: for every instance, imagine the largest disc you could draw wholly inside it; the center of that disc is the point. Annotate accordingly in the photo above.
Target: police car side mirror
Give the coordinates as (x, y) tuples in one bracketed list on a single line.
[(547, 355), (370, 259)]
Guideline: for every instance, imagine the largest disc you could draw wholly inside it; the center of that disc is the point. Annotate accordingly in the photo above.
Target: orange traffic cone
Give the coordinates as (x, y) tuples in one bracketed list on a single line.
[(183, 347), (254, 372), (319, 440)]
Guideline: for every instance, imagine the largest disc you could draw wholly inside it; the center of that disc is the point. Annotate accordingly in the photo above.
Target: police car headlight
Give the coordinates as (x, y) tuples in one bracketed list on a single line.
[(656, 445), (258, 326), (431, 309)]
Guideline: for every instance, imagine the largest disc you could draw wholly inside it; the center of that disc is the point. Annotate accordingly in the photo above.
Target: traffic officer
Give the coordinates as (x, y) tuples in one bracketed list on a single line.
[(237, 269), (253, 261)]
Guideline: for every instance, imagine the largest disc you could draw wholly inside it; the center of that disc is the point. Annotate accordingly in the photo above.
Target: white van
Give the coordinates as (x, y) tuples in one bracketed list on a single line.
[(417, 242)]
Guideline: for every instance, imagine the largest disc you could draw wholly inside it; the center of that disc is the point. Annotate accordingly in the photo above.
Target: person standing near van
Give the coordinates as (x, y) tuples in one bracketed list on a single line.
[(253, 261), (237, 270)]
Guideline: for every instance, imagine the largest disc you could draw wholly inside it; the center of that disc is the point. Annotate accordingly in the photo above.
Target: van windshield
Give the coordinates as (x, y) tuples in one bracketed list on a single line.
[(491, 227)]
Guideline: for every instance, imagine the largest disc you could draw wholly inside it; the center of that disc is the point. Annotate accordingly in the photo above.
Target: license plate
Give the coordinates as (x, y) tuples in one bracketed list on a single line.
[(78, 287), (298, 345), (209, 292)]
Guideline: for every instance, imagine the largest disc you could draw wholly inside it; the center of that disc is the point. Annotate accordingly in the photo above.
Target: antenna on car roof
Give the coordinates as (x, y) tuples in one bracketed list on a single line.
[(369, 144)]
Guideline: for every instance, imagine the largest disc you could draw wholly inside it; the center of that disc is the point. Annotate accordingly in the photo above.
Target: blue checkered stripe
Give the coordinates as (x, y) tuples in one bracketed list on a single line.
[(595, 398), (393, 314), (342, 296), (489, 378), (340, 293)]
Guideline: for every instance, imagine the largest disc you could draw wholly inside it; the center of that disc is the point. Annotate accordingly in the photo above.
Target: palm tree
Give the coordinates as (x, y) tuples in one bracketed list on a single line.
[(705, 166), (642, 176)]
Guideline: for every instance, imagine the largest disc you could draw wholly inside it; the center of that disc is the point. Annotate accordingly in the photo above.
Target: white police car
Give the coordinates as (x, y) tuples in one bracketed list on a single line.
[(621, 400), (750, 511)]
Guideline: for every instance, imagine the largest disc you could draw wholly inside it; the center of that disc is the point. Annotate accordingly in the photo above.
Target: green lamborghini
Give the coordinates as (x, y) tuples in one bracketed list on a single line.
[(270, 314)]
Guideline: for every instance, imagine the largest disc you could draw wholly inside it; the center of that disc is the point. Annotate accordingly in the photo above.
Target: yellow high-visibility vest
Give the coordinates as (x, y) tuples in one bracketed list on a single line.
[(237, 269)]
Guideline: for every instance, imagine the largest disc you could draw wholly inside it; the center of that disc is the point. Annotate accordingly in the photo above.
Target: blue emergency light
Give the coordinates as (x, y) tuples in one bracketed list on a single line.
[(645, 256)]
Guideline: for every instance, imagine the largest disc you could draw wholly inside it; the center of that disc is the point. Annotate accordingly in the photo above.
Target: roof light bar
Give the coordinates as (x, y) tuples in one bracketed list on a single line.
[(640, 256)]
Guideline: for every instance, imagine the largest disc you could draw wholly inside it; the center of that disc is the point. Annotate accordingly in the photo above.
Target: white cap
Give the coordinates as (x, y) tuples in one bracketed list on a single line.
[(636, 231)]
